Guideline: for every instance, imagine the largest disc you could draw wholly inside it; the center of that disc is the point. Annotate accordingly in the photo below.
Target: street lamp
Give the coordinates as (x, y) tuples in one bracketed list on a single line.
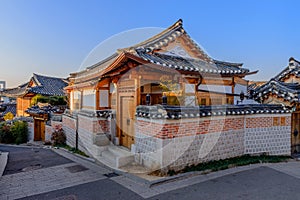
[(242, 97)]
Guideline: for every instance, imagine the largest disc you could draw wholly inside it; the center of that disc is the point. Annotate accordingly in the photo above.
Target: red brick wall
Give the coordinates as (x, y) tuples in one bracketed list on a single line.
[(102, 126), (176, 128), (259, 122)]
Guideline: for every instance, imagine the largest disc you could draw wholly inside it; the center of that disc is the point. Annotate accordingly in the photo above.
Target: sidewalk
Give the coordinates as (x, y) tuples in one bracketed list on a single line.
[(3, 162)]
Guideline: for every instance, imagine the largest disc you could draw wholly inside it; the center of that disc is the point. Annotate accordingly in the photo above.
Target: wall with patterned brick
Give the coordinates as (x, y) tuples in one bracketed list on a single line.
[(271, 135), (174, 144)]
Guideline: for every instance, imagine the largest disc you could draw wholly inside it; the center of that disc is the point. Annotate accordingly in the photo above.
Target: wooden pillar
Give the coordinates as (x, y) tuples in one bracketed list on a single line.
[(97, 99)]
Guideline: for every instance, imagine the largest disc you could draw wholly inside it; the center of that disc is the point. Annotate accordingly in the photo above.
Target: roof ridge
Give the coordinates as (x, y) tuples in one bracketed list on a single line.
[(178, 24), (46, 76), (226, 62)]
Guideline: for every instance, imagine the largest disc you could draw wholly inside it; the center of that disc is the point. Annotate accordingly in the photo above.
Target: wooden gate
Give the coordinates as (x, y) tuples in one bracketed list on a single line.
[(39, 130), (127, 121), (295, 135)]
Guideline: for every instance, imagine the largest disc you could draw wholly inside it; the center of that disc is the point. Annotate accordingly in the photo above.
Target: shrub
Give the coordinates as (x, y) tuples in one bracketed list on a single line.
[(5, 134), (19, 130), (15, 133), (58, 137)]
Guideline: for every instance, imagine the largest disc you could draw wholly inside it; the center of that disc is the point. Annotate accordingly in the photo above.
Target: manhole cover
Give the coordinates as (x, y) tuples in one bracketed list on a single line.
[(32, 167), (76, 168), (110, 175)]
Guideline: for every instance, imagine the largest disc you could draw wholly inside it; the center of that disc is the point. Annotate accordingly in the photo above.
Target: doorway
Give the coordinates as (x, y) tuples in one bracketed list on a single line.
[(39, 130), (127, 121)]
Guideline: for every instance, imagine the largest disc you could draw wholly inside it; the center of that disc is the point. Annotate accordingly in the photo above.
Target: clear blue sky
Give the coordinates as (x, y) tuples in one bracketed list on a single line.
[(53, 37)]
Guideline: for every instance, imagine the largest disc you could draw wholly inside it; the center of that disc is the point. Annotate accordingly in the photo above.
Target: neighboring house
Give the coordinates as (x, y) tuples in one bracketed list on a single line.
[(37, 85), (117, 102), (284, 89)]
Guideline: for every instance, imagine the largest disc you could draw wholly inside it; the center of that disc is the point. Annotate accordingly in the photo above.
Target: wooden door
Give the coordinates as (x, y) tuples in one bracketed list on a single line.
[(127, 121), (295, 135), (39, 130)]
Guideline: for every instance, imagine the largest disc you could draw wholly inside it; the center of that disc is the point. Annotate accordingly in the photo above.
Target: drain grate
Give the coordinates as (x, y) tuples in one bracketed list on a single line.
[(76, 168), (110, 175)]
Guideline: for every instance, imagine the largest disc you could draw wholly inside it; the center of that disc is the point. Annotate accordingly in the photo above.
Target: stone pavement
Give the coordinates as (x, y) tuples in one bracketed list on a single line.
[(35, 181), (83, 179)]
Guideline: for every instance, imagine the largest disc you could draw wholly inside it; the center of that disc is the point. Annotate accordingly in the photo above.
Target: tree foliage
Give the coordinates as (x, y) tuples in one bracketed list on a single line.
[(53, 100)]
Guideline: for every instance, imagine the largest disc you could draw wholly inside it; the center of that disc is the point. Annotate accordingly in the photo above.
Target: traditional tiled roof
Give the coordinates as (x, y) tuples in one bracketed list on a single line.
[(149, 50), (276, 86), (292, 69), (44, 110), (44, 85), (9, 107), (288, 91), (189, 64), (167, 36), (178, 112), (49, 86), (15, 92)]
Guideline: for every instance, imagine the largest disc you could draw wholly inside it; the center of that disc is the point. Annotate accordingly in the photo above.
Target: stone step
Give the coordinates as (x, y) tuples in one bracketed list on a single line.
[(109, 158), (119, 150), (95, 150), (115, 157)]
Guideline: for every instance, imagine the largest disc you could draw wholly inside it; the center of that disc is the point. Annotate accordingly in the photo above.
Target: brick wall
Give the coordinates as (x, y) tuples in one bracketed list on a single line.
[(90, 130), (174, 144), (271, 135)]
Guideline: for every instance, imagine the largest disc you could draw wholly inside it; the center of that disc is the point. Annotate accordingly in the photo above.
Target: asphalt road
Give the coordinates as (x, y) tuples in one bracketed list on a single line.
[(256, 183), (103, 189), (27, 158), (262, 184)]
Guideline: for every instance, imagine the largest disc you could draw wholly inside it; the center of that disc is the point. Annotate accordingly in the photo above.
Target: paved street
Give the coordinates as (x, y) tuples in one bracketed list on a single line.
[(57, 174)]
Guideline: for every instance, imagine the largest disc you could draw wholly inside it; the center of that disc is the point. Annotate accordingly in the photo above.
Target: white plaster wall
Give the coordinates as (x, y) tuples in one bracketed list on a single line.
[(216, 88), (30, 131), (104, 98), (88, 99)]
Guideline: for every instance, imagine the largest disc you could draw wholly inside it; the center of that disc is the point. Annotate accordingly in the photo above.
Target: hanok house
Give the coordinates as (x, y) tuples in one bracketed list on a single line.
[(37, 85), (284, 89), (172, 70)]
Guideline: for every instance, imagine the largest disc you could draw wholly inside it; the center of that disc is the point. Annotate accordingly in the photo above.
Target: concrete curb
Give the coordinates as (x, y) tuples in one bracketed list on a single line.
[(219, 173), (3, 162), (75, 154)]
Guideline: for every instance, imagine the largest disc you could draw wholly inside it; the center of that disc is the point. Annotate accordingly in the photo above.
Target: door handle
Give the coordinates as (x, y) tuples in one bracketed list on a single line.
[(128, 121)]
